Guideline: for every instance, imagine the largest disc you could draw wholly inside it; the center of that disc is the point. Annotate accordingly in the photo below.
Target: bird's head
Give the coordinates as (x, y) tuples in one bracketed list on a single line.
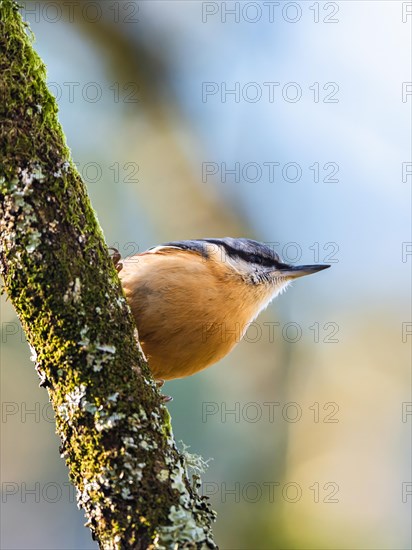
[(255, 262)]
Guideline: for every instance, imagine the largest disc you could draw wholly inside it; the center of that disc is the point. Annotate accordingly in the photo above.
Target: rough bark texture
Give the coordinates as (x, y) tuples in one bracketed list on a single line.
[(116, 435)]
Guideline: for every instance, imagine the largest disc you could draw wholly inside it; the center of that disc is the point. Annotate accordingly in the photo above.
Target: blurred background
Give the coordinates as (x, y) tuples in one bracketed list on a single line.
[(290, 123)]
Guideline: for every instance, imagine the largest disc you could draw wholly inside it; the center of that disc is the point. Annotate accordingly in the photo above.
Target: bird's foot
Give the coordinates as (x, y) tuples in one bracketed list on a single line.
[(116, 257), (165, 398)]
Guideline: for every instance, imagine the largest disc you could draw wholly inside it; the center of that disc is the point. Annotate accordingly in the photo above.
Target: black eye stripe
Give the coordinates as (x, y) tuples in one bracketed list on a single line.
[(246, 249), (266, 257), (259, 260)]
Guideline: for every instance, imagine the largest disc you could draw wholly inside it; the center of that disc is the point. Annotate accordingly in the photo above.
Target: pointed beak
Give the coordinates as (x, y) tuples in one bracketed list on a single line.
[(293, 272)]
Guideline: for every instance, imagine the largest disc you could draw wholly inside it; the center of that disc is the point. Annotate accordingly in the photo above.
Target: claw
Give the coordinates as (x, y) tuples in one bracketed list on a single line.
[(165, 398), (116, 257)]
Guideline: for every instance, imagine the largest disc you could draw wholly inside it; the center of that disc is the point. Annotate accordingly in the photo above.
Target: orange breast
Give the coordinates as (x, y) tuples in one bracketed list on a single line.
[(189, 312)]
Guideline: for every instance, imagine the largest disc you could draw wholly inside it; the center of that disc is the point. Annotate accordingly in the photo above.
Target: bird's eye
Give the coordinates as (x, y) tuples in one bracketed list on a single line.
[(260, 260), (255, 259)]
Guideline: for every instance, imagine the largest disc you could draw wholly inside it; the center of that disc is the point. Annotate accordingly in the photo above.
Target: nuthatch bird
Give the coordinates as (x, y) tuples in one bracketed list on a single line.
[(193, 300)]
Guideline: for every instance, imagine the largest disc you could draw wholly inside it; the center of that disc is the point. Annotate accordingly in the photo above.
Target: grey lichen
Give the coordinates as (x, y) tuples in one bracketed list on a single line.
[(116, 435), (194, 462), (182, 522)]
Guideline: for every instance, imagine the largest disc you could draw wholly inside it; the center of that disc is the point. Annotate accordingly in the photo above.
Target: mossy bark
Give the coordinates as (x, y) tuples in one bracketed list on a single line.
[(116, 435)]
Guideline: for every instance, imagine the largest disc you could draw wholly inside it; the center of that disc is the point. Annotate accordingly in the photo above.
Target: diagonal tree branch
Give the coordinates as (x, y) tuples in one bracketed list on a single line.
[(116, 435)]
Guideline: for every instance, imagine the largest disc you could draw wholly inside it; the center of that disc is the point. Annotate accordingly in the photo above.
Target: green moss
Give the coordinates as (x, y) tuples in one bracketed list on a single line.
[(116, 434)]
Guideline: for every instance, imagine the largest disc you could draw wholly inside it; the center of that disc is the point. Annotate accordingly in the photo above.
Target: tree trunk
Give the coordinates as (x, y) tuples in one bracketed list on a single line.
[(116, 434)]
